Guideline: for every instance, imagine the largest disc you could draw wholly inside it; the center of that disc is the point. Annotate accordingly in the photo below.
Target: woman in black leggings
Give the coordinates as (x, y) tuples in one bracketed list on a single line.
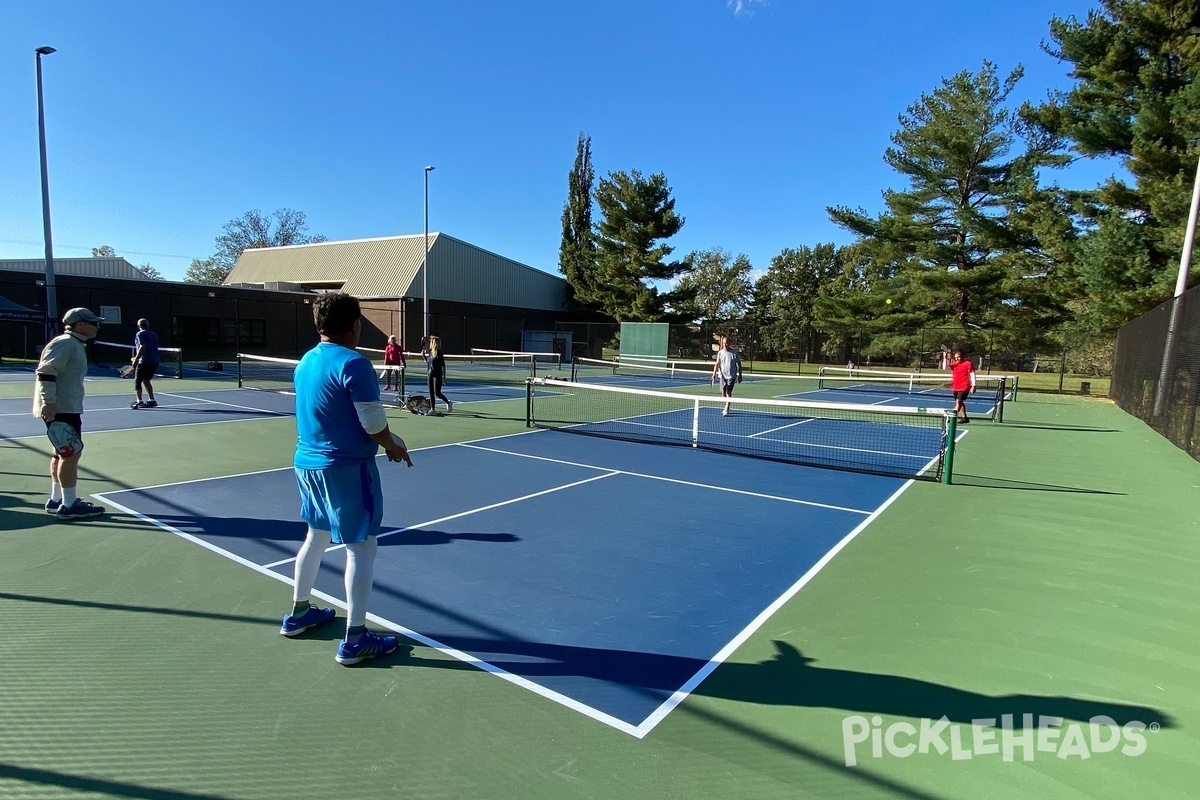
[(437, 373)]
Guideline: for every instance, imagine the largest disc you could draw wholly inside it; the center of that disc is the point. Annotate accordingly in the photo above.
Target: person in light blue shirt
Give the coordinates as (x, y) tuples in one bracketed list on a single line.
[(341, 425)]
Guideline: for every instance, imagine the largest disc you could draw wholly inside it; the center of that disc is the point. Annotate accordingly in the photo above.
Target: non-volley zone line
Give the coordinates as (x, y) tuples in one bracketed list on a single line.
[(589, 571)]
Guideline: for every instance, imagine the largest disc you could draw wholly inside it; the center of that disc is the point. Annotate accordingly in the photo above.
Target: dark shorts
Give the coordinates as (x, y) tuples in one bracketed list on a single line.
[(63, 446), (74, 420), (146, 372), (727, 384), (962, 394)]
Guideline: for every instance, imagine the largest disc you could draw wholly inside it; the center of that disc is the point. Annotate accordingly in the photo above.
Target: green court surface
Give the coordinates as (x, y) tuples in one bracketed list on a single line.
[(1057, 577)]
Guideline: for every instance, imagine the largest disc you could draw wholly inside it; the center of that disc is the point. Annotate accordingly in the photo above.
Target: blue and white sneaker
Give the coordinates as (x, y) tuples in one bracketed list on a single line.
[(52, 506), (369, 646), (314, 616), (80, 509)]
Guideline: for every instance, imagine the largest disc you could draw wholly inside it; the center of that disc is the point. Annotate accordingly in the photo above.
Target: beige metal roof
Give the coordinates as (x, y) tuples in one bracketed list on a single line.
[(96, 267), (390, 267)]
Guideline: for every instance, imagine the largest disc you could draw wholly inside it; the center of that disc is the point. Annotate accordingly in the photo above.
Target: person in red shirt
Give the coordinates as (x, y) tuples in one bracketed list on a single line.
[(962, 382), (393, 356)]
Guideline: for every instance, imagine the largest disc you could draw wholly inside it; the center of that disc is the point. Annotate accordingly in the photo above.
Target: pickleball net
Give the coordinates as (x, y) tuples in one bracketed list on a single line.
[(545, 361), (593, 369), (269, 374), (915, 386), (905, 442), (988, 382), (907, 388), (115, 356)]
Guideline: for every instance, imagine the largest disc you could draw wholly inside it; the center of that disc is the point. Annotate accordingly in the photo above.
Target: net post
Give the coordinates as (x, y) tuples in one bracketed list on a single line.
[(1000, 401), (1016, 379), (239, 371), (179, 363), (529, 402), (948, 458), (696, 423)]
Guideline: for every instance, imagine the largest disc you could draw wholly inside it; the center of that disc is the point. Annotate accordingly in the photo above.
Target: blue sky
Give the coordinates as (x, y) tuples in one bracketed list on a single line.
[(167, 119)]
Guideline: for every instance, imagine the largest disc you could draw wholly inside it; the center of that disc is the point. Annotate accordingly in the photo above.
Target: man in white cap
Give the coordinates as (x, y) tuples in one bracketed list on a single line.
[(58, 400)]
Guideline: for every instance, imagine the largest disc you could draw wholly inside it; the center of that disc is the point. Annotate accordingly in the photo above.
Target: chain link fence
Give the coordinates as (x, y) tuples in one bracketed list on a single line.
[(1156, 376)]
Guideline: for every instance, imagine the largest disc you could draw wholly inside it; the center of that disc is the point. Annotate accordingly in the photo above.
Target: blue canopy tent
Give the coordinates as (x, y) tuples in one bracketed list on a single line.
[(13, 312)]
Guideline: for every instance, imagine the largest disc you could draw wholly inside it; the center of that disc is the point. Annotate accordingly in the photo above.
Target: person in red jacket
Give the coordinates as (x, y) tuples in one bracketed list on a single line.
[(962, 382), (393, 356)]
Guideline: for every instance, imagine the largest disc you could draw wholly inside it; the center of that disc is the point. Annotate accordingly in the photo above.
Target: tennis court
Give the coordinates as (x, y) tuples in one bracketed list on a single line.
[(595, 617)]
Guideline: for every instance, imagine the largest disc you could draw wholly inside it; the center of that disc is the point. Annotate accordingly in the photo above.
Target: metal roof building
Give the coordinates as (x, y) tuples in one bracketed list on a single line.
[(390, 268), (98, 267)]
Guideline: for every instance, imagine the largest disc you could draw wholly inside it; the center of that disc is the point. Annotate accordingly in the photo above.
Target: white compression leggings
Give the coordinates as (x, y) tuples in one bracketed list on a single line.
[(360, 572)]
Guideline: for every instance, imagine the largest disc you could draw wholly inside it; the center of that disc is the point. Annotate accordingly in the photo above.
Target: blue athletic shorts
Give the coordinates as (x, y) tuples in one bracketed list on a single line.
[(346, 501)]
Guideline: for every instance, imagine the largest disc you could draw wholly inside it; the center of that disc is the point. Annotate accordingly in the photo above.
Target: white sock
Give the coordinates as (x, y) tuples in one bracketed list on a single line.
[(360, 574), (56, 490), (308, 562), (69, 495)]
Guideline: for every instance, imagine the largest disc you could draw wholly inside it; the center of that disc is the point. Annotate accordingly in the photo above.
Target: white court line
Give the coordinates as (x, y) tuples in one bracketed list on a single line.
[(673, 480), (467, 513), (485, 666), (725, 652), (637, 731), (231, 405)]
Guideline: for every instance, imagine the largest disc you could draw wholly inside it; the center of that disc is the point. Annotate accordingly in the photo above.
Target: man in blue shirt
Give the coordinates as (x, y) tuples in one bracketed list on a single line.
[(341, 425), (145, 361)]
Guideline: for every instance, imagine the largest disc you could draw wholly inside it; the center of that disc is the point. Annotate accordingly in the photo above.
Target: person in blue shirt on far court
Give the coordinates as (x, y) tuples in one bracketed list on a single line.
[(341, 425), (145, 361)]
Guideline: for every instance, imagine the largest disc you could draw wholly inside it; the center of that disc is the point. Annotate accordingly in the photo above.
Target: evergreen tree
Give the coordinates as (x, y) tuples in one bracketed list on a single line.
[(638, 215), (960, 244), (577, 253), (1137, 99)]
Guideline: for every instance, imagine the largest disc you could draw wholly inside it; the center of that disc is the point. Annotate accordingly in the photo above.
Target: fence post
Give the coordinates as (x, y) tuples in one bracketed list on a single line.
[(1062, 370)]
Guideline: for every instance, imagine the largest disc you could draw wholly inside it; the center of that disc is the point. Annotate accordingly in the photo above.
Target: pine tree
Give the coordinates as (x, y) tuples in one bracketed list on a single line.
[(638, 215), (956, 242), (1137, 99), (577, 253)]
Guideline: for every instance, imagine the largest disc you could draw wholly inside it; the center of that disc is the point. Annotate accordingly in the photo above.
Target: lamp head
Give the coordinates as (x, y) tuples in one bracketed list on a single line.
[(45, 51), (430, 169)]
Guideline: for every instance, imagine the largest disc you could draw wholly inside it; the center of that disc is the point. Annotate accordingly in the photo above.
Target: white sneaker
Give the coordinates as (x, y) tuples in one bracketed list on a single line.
[(725, 413), (449, 406)]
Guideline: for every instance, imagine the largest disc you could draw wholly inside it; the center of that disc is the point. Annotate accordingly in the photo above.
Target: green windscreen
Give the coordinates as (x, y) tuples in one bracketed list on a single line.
[(644, 339)]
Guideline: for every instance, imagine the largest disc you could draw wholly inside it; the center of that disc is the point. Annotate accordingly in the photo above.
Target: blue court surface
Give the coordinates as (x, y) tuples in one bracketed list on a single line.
[(111, 412), (608, 576)]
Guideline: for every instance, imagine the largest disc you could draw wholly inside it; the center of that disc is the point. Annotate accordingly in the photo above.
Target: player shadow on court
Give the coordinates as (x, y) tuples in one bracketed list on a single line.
[(990, 482), (1050, 426), (791, 679), (420, 536)]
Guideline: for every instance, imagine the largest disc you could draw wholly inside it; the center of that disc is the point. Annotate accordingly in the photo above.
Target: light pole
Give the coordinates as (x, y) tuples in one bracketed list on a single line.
[(425, 259), (51, 298)]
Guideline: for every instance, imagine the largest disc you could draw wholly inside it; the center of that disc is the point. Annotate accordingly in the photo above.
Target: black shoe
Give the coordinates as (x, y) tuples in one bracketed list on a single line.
[(963, 421), (137, 404), (80, 509), (151, 404)]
